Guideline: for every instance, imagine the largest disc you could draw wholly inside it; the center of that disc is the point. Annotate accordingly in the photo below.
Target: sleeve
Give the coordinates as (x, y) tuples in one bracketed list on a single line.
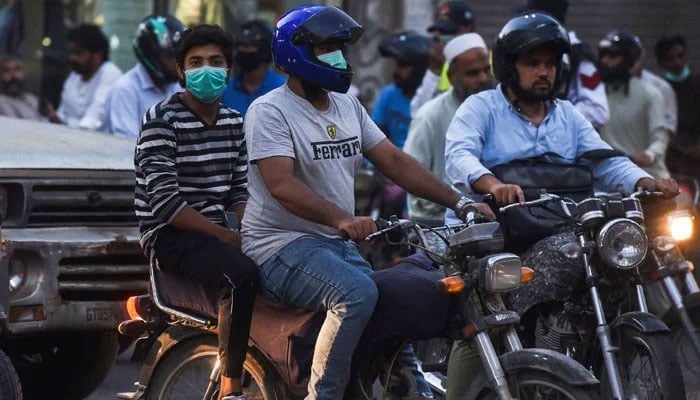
[(590, 99), (371, 134), (657, 128), (379, 111), (267, 133), (671, 109), (464, 143), (419, 139), (122, 114), (155, 156), (94, 116), (616, 173), (239, 182), (425, 91)]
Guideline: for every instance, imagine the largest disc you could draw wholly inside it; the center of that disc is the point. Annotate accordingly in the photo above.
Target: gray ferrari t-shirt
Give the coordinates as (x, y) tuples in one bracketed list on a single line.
[(327, 149)]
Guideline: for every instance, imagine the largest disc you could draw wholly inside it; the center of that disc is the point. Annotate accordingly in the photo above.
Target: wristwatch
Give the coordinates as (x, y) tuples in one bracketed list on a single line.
[(463, 202)]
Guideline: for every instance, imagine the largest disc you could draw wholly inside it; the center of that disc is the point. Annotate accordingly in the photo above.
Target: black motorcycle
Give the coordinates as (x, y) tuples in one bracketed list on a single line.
[(588, 299), (672, 289), (182, 360)]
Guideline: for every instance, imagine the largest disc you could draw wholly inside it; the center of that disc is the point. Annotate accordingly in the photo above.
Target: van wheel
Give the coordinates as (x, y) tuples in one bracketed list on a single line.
[(184, 373), (10, 388), (72, 364)]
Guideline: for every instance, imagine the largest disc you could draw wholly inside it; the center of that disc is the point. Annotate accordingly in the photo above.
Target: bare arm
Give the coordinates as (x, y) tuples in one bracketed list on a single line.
[(189, 219), (504, 193), (298, 198)]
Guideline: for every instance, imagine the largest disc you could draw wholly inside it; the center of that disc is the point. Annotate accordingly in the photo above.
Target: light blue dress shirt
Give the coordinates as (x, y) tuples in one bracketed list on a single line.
[(487, 131), (129, 99)]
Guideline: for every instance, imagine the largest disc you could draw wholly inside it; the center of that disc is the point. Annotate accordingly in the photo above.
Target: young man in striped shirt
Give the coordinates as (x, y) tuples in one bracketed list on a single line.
[(191, 166)]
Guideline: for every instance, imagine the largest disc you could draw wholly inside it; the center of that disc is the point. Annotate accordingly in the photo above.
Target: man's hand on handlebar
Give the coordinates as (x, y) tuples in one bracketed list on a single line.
[(507, 194), (357, 228), (667, 185)]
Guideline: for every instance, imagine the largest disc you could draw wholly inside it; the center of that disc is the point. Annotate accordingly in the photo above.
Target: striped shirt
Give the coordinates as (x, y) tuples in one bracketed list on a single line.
[(180, 160)]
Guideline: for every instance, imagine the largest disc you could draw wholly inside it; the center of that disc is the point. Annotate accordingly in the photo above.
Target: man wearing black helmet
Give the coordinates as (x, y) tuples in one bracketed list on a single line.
[(253, 77), (522, 119), (151, 80), (637, 125), (392, 111), (305, 141)]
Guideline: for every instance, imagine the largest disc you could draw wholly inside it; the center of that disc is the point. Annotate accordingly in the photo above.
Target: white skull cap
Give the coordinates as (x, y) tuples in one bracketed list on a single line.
[(461, 44)]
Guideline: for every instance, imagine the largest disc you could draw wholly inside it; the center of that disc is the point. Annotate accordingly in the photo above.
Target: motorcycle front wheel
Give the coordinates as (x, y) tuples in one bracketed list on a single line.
[(648, 366), (184, 373), (531, 384)]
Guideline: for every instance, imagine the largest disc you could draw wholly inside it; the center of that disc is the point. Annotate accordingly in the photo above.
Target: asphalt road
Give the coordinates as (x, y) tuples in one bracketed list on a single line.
[(120, 379)]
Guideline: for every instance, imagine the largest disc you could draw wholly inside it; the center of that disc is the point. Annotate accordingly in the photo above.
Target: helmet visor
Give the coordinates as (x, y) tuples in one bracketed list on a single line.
[(327, 26)]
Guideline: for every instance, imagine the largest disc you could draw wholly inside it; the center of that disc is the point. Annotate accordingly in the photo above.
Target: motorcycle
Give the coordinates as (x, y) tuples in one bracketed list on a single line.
[(598, 251), (463, 301), (674, 295), (378, 197)]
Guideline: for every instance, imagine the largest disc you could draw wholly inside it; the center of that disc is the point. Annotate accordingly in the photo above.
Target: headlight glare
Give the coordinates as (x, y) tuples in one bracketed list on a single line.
[(622, 243), (502, 273), (680, 225)]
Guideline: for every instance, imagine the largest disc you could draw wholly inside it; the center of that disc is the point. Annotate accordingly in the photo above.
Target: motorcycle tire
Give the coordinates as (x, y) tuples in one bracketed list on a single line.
[(195, 359), (535, 384), (650, 359), (10, 388), (689, 360)]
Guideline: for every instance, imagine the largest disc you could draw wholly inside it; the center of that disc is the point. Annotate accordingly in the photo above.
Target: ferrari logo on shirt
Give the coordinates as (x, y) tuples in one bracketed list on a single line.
[(331, 131)]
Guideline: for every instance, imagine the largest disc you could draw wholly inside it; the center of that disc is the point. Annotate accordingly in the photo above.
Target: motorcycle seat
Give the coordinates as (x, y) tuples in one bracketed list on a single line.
[(183, 299)]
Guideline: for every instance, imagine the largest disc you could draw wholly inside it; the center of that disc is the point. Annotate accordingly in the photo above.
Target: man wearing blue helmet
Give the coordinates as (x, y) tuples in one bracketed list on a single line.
[(305, 141)]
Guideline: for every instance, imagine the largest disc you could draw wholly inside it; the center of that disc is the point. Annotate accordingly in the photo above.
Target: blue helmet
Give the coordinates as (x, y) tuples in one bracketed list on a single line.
[(303, 27)]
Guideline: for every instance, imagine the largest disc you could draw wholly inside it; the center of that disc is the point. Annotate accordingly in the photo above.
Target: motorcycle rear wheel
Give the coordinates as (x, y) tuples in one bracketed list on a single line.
[(184, 373), (531, 384)]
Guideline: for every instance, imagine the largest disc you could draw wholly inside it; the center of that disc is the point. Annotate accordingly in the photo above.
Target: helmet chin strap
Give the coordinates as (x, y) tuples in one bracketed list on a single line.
[(311, 90)]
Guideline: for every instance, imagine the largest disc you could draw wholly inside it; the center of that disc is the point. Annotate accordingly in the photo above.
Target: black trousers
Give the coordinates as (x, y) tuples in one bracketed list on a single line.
[(214, 264)]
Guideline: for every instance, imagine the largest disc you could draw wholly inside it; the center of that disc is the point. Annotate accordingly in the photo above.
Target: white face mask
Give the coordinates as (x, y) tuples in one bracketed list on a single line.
[(335, 59)]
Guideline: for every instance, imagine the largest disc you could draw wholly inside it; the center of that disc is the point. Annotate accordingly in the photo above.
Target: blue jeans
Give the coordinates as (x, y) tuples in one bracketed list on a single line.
[(326, 275)]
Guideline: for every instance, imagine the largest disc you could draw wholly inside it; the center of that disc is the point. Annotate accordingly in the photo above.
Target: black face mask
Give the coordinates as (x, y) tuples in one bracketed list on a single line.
[(410, 84), (248, 61)]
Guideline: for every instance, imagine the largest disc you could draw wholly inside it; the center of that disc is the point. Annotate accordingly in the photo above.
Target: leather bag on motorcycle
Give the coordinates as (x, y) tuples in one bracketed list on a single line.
[(524, 226)]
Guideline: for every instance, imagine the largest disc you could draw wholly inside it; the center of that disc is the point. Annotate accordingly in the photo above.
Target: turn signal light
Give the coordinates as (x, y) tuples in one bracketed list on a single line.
[(452, 284), (526, 274), (132, 308)]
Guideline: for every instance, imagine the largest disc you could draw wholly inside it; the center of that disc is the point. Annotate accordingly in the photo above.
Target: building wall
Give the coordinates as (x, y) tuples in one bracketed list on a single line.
[(592, 19)]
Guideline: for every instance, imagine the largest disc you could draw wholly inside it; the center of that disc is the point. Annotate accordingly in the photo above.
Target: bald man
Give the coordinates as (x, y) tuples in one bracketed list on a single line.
[(468, 72)]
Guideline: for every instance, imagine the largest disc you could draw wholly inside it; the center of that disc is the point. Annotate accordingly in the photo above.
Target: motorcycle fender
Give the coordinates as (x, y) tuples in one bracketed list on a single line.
[(641, 321), (550, 362), (162, 345)]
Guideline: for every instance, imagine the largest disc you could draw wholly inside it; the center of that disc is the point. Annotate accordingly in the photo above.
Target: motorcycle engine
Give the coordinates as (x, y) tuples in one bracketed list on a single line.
[(555, 332)]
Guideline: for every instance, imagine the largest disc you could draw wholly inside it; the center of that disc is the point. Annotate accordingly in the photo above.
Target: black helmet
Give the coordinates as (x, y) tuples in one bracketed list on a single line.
[(156, 35), (256, 32), (624, 42), (407, 47), (522, 34)]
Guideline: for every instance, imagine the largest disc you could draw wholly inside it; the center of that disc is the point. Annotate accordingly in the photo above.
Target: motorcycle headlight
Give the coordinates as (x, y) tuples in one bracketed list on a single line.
[(680, 225), (17, 273), (622, 243), (502, 272)]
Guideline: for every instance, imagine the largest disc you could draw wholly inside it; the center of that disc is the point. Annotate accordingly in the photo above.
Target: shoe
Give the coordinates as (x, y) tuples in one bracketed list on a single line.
[(234, 397)]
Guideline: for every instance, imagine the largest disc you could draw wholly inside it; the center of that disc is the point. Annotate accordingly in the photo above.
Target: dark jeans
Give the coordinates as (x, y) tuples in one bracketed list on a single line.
[(214, 264)]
